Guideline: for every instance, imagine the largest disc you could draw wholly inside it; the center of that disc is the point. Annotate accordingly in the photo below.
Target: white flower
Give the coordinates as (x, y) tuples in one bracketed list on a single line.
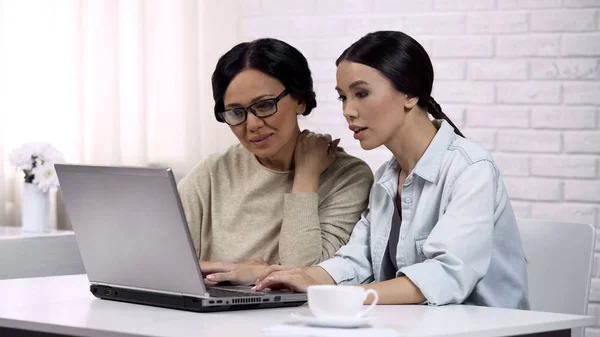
[(36, 159), (45, 177), (22, 157)]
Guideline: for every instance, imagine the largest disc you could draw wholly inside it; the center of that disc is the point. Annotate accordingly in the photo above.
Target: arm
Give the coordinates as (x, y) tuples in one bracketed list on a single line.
[(459, 248), (400, 290), (311, 233), (194, 191), (351, 265)]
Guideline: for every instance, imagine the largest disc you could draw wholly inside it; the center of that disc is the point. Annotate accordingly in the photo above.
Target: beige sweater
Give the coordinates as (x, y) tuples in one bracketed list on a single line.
[(238, 209)]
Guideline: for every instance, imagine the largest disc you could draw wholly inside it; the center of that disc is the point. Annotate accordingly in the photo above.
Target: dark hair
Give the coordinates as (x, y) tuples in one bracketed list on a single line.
[(403, 61), (272, 57)]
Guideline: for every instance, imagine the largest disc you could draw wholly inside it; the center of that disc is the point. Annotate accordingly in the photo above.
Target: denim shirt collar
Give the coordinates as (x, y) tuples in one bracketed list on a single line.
[(428, 167)]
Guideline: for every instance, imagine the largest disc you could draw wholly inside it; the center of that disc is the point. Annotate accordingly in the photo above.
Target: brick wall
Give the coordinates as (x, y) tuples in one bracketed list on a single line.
[(520, 76)]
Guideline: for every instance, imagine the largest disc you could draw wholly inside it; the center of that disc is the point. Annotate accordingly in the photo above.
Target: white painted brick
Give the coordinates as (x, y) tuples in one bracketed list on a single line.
[(445, 69), (527, 45), (528, 92), (498, 116), (307, 26), (566, 69), (570, 166), (327, 113), (253, 28), (323, 70), (426, 42), (595, 273), (249, 8), (495, 69), (577, 213), (529, 141), (512, 164), (582, 44), (563, 118), (563, 20), (519, 4), (582, 142), (305, 46), (463, 92), (595, 290), (283, 7), (522, 209), (359, 26), (462, 5), (332, 48), (456, 113), (487, 138), (446, 24), (578, 93), (332, 114), (402, 6), (497, 22), (325, 91), (463, 47), (533, 188), (582, 190), (335, 7), (581, 3)]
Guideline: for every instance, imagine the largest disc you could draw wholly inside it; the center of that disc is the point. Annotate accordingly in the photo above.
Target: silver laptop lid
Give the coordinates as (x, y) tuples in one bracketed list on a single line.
[(130, 227)]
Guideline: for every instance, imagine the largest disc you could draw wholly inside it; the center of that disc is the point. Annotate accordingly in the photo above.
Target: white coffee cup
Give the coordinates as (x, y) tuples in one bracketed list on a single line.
[(333, 301)]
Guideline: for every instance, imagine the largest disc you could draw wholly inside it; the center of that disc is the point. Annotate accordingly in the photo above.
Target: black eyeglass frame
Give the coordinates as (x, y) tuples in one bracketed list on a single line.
[(221, 115)]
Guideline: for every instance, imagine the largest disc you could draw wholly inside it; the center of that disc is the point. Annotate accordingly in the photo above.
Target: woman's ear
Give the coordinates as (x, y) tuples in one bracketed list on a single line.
[(300, 108), (410, 102)]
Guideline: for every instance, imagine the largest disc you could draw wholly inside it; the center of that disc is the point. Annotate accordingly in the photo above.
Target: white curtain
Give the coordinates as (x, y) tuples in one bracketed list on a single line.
[(110, 82)]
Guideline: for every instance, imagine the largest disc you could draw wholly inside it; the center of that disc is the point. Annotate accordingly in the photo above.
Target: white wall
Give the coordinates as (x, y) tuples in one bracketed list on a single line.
[(520, 76)]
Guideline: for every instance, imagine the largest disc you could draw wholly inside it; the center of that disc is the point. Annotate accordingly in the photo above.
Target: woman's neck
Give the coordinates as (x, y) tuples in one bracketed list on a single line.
[(283, 160), (411, 141)]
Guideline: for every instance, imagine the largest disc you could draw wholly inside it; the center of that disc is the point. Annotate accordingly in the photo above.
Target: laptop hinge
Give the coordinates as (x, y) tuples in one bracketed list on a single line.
[(206, 295)]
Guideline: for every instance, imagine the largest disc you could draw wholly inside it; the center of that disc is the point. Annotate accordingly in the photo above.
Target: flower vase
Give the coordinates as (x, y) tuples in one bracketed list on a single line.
[(36, 209)]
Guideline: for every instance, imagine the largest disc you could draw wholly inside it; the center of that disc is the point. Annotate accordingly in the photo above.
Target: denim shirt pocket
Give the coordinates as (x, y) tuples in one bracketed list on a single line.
[(419, 242)]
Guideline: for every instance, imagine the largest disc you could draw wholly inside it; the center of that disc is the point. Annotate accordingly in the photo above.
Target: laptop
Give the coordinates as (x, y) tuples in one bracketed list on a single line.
[(136, 246)]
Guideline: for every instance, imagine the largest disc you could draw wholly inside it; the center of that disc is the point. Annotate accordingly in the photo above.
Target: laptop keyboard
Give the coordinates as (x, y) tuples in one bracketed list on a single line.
[(216, 292)]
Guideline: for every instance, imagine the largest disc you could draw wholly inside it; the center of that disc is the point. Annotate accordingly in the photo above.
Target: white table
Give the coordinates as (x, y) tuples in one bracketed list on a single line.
[(38, 254), (63, 305), (11, 232)]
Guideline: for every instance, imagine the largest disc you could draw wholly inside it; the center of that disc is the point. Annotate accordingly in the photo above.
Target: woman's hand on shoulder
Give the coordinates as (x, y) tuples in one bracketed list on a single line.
[(313, 154)]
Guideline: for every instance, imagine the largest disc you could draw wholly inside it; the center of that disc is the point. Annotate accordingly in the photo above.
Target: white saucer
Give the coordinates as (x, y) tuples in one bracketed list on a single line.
[(349, 322)]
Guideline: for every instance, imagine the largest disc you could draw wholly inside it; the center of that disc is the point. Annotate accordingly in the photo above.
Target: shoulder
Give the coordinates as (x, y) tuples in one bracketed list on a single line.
[(467, 157), (347, 165)]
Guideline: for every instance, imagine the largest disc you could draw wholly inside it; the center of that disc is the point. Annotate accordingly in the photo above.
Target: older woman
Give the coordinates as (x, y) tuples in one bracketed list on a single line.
[(282, 195)]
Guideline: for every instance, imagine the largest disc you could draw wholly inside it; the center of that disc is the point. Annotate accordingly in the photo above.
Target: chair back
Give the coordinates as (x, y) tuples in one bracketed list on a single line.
[(559, 265)]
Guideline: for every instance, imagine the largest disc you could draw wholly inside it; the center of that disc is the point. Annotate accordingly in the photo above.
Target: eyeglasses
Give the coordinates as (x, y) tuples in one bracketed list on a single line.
[(260, 109)]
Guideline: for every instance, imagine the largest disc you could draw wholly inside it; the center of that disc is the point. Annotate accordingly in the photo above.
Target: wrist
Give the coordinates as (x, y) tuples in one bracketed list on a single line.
[(305, 183)]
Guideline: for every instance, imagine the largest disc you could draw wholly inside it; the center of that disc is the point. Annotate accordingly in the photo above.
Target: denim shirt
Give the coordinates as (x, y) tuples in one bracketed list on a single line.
[(458, 241)]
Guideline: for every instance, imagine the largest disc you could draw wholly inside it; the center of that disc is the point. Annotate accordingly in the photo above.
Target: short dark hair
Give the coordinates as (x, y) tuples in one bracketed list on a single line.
[(403, 61), (272, 57)]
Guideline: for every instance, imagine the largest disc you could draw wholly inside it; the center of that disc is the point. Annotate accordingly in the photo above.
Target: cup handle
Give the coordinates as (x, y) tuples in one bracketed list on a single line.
[(370, 307)]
